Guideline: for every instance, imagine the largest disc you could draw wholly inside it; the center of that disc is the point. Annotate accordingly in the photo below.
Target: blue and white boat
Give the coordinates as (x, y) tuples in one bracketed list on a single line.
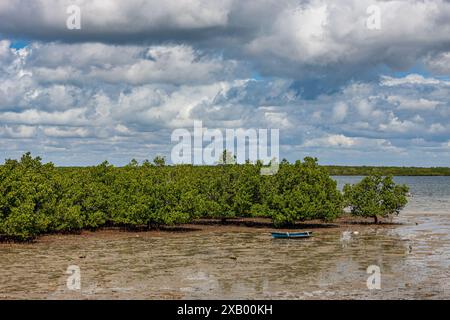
[(293, 235)]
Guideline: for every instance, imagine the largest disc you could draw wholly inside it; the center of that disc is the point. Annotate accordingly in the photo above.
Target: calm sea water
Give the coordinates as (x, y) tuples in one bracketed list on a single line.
[(429, 194)]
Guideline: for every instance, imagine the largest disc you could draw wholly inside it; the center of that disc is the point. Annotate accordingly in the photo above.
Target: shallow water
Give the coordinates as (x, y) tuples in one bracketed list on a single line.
[(245, 263)]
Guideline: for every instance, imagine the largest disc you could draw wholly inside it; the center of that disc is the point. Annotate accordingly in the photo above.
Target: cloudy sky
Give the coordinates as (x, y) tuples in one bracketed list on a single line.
[(139, 69)]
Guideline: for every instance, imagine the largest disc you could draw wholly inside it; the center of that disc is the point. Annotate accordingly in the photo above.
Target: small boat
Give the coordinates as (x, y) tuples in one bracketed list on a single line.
[(293, 235)]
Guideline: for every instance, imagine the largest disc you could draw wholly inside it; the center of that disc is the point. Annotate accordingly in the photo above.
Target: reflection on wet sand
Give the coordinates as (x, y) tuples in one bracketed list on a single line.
[(238, 263)]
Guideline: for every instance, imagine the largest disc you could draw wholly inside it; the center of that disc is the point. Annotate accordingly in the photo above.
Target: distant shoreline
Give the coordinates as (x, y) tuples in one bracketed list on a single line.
[(335, 170), (394, 171), (356, 171)]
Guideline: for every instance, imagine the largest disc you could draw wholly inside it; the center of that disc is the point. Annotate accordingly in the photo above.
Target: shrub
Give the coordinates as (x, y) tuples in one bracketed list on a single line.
[(300, 192), (38, 198), (376, 196)]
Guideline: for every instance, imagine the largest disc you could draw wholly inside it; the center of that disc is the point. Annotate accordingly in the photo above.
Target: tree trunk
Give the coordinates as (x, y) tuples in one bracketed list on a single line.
[(376, 219)]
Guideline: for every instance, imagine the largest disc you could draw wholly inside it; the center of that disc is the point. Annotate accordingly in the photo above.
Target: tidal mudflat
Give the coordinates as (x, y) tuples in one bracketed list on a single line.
[(236, 261)]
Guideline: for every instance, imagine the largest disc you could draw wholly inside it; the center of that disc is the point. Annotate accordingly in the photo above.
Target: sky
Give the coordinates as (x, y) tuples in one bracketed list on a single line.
[(336, 88)]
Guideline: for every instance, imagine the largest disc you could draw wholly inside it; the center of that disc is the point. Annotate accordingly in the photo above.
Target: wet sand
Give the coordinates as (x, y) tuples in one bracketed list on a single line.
[(238, 260)]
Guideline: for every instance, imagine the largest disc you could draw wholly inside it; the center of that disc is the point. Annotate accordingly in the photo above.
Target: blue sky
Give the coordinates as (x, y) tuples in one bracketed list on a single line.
[(136, 71)]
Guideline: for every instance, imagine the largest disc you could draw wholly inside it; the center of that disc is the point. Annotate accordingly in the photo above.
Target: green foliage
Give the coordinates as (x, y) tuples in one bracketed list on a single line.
[(29, 197), (376, 196), (299, 192), (226, 158), (37, 198), (159, 161)]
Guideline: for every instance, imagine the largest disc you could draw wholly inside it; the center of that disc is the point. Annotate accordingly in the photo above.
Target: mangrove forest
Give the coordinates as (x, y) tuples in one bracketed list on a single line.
[(38, 198)]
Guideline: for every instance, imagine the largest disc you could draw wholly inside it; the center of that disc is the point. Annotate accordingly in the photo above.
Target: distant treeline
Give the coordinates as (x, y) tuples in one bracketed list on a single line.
[(386, 171), (367, 170)]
